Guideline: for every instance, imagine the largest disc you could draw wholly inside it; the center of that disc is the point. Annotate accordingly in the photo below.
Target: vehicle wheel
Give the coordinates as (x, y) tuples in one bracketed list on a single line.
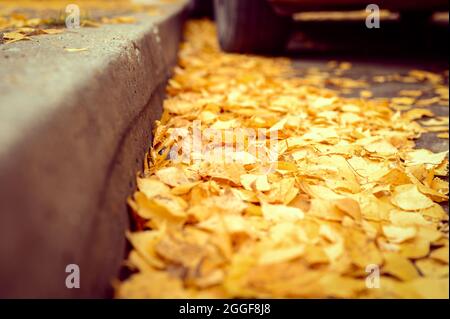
[(246, 26), (202, 8)]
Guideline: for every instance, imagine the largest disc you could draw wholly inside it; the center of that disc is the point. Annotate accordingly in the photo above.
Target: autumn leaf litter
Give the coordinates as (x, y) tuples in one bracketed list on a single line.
[(349, 190)]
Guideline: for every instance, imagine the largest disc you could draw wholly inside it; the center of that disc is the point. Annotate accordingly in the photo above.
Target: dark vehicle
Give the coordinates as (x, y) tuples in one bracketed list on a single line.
[(264, 25)]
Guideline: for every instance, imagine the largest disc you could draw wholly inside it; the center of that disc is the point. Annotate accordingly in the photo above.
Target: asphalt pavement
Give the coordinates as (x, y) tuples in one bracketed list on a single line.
[(394, 49)]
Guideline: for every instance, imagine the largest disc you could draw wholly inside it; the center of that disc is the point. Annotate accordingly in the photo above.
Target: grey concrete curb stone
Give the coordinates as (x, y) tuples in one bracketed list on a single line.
[(73, 131)]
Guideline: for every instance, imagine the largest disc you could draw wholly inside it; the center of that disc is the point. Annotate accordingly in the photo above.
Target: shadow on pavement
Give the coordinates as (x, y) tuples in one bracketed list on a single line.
[(395, 41)]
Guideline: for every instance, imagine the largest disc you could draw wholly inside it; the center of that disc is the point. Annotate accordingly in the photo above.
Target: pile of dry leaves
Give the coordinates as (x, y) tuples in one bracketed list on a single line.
[(347, 198)]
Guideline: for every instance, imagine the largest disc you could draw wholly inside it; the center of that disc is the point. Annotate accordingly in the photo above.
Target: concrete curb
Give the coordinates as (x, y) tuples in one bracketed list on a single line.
[(74, 128)]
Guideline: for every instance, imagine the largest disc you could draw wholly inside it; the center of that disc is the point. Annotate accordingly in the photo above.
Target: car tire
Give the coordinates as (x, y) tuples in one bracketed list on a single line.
[(250, 26), (201, 9)]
